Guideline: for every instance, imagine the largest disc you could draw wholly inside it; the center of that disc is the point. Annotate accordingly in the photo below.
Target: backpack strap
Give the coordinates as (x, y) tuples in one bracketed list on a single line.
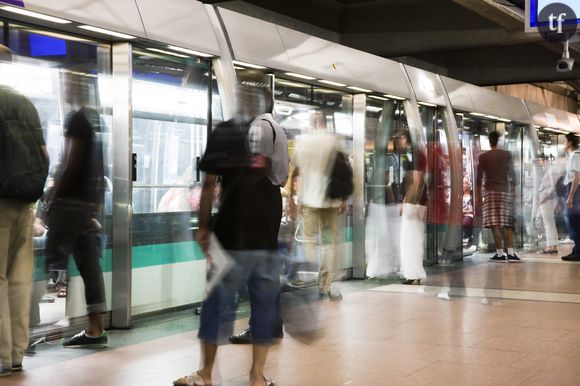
[(273, 130)]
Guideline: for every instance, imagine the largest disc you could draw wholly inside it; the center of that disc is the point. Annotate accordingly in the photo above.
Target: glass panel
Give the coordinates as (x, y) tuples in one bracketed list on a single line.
[(170, 112), (61, 73), (384, 189), (298, 108)]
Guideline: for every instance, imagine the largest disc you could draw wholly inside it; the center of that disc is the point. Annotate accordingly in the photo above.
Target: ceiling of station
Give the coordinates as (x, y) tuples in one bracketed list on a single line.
[(478, 41)]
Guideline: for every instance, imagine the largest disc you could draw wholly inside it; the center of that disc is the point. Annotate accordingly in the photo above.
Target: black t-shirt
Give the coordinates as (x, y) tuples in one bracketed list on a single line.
[(250, 206), (81, 125)]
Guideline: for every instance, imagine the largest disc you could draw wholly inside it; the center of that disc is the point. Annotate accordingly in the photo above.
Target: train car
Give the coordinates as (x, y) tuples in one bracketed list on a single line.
[(162, 75)]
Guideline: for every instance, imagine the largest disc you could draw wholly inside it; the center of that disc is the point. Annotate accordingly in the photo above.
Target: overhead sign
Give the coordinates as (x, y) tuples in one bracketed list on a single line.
[(552, 17)]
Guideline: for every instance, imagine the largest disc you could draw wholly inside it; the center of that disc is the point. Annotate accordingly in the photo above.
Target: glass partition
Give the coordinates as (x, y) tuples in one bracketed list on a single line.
[(61, 73), (170, 126)]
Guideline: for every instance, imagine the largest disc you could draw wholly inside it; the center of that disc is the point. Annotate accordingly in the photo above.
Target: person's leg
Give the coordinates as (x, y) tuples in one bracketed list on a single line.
[(497, 237), (87, 258), (5, 320), (547, 210), (311, 228), (20, 281), (328, 269), (259, 357)]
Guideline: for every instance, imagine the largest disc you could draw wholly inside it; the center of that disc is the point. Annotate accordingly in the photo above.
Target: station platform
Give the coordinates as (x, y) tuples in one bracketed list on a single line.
[(473, 323)]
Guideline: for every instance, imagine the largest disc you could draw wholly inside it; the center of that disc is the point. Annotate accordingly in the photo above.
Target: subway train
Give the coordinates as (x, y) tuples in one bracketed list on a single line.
[(162, 74)]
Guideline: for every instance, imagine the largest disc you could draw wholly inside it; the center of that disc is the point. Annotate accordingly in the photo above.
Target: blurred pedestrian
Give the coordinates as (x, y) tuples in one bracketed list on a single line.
[(23, 171), (571, 181), (250, 165), (495, 172)]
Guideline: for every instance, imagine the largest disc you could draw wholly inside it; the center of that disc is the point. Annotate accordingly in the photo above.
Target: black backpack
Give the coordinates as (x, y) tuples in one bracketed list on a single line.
[(341, 178), (23, 165)]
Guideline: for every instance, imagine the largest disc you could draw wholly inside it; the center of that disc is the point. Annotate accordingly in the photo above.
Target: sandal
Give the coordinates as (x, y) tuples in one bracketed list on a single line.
[(269, 382), (61, 293), (548, 252), (190, 380)]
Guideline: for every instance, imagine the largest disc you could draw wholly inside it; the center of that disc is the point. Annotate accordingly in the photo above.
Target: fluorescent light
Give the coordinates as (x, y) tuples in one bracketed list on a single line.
[(106, 32), (239, 68), (248, 65), (25, 12), (427, 104), (477, 114), (378, 97), (374, 109), (167, 52), (332, 83), (300, 76), (188, 51), (359, 89), (394, 97)]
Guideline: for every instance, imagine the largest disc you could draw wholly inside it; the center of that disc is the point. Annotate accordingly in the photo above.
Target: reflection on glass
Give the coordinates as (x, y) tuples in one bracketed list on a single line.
[(48, 68), (170, 123)]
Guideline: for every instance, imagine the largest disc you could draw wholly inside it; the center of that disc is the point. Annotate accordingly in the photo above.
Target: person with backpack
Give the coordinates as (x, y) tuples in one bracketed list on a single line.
[(23, 170), (250, 166), (324, 185)]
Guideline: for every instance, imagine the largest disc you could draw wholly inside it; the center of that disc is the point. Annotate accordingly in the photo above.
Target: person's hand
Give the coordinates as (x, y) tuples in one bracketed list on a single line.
[(202, 238), (570, 202), (342, 208), (38, 228)]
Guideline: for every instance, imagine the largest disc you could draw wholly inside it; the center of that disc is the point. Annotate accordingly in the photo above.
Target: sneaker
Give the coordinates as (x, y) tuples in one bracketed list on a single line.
[(498, 259), (571, 257), (82, 340), (334, 295), (513, 259), (5, 372), (16, 368)]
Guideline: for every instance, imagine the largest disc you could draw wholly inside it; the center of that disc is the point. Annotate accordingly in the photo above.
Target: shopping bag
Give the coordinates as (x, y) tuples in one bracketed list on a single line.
[(383, 226), (412, 240)]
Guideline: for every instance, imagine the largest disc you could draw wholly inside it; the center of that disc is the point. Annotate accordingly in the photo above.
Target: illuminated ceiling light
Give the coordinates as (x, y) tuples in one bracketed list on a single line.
[(477, 114), (191, 52), (36, 15), (293, 74), (167, 52), (378, 98), (332, 83), (427, 104), (398, 98), (248, 65), (239, 68), (359, 89), (106, 32)]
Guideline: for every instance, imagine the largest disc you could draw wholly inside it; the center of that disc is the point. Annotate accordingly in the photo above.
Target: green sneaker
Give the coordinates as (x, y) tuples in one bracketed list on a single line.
[(81, 340)]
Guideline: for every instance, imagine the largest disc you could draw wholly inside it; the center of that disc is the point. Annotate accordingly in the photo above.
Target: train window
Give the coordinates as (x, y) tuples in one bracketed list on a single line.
[(170, 111)]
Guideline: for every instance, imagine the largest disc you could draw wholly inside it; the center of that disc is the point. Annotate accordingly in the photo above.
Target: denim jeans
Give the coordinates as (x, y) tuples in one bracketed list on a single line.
[(260, 272), (71, 229), (573, 215)]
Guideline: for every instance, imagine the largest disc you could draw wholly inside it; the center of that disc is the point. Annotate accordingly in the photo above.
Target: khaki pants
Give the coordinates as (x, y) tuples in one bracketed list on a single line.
[(16, 262), (321, 222)]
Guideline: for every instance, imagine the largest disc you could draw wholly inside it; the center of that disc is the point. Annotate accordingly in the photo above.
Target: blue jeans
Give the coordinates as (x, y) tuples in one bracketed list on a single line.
[(260, 272), (573, 223)]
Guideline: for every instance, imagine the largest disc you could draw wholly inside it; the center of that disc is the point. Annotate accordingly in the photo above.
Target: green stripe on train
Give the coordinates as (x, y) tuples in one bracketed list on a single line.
[(143, 256), (148, 256)]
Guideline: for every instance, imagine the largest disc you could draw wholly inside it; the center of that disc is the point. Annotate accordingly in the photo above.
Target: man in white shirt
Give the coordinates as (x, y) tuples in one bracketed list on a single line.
[(571, 180), (313, 160)]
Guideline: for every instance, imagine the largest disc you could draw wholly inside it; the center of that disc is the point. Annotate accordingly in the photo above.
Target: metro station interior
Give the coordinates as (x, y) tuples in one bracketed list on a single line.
[(446, 73)]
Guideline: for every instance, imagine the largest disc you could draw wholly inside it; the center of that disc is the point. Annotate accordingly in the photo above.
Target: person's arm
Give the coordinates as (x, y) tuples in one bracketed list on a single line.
[(71, 163), (478, 183), (205, 204)]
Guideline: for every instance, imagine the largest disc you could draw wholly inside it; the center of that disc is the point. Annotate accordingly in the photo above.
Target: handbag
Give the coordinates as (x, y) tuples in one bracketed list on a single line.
[(341, 184)]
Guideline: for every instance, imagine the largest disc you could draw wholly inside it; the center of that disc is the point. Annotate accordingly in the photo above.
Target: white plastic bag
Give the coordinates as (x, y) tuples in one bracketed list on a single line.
[(383, 240), (412, 240)]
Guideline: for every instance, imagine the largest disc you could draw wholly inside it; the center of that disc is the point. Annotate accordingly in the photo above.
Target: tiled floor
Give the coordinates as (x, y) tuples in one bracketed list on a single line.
[(386, 335)]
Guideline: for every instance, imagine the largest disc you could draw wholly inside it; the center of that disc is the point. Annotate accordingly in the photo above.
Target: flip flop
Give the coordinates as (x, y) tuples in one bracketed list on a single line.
[(190, 380)]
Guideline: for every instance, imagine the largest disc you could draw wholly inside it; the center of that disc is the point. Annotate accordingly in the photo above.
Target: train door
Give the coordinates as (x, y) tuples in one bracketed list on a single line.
[(58, 72), (299, 107), (517, 139), (170, 115), (386, 120)]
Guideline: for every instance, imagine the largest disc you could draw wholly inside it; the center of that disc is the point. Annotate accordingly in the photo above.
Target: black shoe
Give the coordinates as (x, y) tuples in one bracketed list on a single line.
[(16, 368), (5, 372), (513, 258), (571, 257), (498, 259), (411, 281), (244, 337), (82, 340)]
